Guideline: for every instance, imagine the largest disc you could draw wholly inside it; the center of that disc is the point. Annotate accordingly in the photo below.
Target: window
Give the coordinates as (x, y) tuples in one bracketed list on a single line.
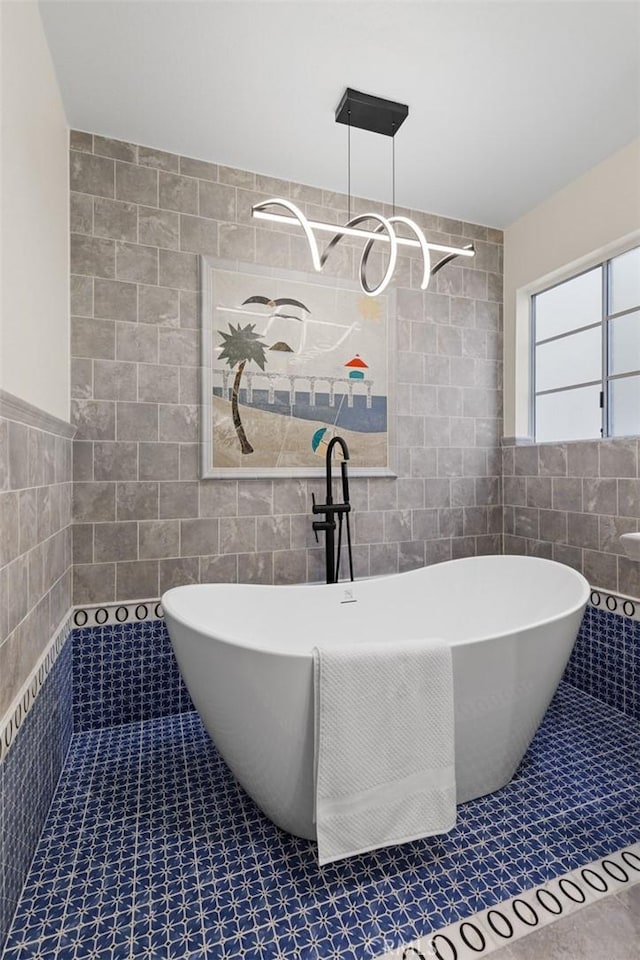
[(586, 353)]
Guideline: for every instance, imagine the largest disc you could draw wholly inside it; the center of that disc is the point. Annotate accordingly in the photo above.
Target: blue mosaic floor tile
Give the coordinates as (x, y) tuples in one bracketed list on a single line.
[(124, 673), (152, 850)]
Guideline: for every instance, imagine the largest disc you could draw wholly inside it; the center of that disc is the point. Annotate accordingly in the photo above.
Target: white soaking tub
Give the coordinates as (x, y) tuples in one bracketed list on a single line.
[(245, 655)]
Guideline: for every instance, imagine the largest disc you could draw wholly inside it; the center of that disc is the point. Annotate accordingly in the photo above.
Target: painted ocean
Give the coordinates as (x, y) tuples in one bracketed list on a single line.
[(359, 417)]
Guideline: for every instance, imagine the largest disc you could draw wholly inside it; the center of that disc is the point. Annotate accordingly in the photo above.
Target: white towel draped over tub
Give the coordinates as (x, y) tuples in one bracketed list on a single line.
[(384, 745)]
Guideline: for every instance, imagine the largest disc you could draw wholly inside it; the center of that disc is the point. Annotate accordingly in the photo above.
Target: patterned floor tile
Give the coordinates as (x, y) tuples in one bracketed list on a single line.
[(151, 850)]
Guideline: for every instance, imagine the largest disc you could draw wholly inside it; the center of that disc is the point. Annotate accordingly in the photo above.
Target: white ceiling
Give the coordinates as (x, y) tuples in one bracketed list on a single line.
[(507, 101)]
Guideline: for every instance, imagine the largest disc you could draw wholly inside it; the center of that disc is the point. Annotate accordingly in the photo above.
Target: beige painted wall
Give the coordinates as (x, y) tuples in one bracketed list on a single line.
[(595, 215), (34, 324)]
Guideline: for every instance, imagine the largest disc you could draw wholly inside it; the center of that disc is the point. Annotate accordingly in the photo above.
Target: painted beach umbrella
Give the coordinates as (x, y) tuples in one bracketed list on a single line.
[(320, 442), (281, 347), (317, 438), (356, 367)]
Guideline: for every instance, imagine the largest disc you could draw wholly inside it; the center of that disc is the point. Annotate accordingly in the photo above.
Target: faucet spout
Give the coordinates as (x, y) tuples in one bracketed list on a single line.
[(335, 441)]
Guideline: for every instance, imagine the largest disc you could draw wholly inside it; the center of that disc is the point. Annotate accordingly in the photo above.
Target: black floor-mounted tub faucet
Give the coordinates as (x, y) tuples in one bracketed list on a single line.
[(330, 509)]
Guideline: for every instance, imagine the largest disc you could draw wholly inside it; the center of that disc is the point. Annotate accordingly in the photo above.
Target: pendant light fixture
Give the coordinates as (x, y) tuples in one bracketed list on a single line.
[(378, 116)]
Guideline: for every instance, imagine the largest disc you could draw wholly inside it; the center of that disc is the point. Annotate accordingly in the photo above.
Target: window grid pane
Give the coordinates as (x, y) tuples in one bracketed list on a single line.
[(570, 360), (624, 404), (624, 343), (576, 302), (569, 415), (624, 281), (564, 402)]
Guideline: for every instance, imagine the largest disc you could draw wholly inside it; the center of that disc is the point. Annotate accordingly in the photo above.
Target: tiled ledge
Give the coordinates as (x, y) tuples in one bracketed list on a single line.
[(136, 611), (615, 603), (509, 921), (147, 610), (107, 614)]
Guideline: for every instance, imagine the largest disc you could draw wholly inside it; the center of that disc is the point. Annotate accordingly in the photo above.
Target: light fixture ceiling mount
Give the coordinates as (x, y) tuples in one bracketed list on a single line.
[(385, 117), (375, 114)]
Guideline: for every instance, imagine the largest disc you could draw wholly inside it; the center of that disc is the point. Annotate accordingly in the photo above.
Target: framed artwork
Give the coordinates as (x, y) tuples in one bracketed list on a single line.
[(289, 360)]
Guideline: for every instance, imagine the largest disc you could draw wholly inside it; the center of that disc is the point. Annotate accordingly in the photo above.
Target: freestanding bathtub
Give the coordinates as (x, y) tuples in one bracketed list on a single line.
[(245, 654)]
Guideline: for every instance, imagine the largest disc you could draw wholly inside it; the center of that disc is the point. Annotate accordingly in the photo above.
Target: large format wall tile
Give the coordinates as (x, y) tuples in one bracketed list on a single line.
[(572, 502), (140, 218), (35, 537)]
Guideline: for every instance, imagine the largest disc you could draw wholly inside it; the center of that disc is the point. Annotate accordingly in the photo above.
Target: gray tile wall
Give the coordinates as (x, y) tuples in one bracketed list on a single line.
[(35, 546), (571, 502), (142, 520)]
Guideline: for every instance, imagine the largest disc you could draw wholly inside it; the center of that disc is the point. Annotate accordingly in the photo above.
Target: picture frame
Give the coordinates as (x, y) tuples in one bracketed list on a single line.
[(288, 360)]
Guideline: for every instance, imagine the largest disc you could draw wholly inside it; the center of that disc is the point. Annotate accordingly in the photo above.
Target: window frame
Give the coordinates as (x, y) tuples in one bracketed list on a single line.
[(606, 378)]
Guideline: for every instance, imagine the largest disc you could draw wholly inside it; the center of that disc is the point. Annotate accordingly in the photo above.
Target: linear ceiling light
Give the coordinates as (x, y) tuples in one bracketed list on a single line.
[(384, 117)]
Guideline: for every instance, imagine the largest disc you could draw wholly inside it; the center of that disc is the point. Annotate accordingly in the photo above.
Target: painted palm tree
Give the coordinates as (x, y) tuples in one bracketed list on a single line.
[(240, 347)]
